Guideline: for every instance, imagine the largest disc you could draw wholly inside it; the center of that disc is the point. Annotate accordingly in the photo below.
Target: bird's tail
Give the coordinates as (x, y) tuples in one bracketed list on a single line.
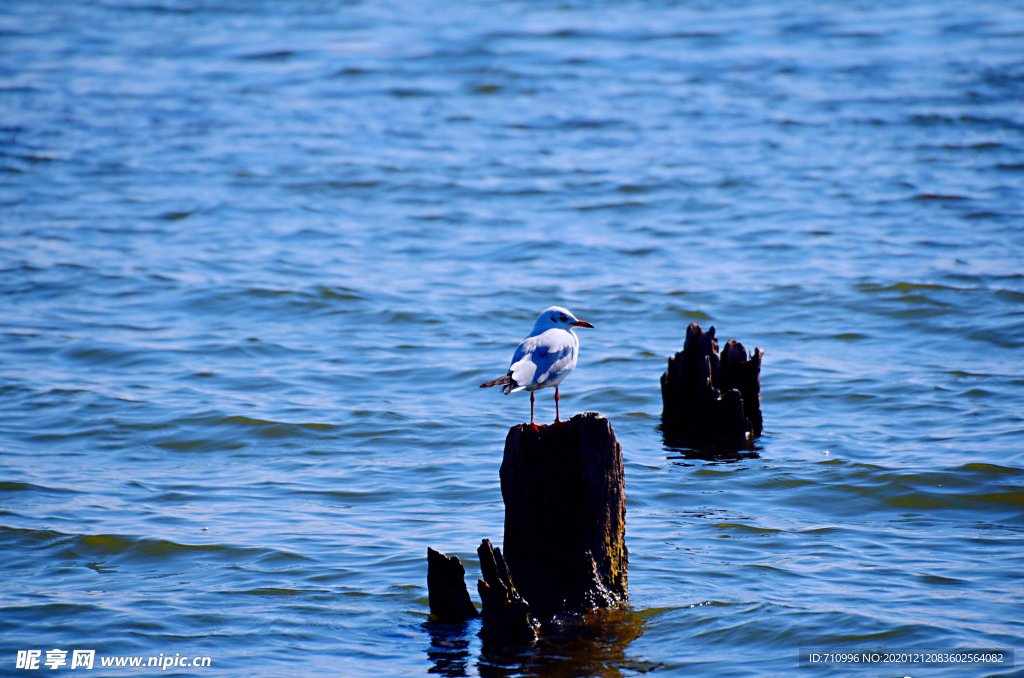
[(507, 381)]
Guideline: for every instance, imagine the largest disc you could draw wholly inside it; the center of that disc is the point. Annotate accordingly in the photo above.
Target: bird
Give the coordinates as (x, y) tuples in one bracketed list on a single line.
[(545, 357)]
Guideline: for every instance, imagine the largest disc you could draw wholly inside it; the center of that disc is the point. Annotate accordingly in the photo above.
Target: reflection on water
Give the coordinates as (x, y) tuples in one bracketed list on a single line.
[(449, 647), (591, 645), (681, 447), (696, 454)]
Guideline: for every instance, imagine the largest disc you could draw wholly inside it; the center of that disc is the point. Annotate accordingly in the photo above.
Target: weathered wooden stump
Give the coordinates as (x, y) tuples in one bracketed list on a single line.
[(446, 586), (712, 401), (506, 614), (742, 373), (565, 515)]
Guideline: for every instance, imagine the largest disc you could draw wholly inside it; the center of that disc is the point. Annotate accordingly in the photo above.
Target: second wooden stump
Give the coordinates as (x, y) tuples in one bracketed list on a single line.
[(711, 400), (565, 515)]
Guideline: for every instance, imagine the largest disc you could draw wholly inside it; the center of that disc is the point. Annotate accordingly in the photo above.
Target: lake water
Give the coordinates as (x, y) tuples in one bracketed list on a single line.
[(257, 256)]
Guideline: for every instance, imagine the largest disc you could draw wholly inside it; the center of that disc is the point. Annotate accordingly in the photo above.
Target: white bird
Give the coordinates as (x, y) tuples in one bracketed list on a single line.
[(546, 357)]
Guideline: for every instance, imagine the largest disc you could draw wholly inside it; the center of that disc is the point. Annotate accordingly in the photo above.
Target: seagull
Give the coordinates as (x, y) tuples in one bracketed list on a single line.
[(545, 357)]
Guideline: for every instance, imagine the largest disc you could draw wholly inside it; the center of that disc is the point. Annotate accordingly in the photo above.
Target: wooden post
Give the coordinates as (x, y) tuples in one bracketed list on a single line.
[(506, 614), (744, 375), (446, 586), (708, 401), (565, 515)]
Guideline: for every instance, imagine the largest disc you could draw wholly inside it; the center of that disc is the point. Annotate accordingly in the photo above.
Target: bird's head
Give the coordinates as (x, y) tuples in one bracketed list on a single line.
[(556, 316)]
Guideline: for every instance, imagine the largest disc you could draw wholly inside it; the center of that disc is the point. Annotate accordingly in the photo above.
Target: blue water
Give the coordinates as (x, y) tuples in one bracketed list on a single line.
[(256, 257)]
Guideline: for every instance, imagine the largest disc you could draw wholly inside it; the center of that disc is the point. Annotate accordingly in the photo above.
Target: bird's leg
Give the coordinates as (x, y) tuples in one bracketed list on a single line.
[(531, 408), (556, 405)]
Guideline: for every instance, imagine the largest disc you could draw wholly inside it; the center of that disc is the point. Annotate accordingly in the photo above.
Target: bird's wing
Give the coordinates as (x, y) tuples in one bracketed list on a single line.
[(523, 368), (541, 357)]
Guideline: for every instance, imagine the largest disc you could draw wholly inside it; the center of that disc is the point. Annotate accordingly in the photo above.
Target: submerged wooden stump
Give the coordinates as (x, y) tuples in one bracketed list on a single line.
[(506, 614), (709, 400), (446, 584), (742, 373), (565, 515)]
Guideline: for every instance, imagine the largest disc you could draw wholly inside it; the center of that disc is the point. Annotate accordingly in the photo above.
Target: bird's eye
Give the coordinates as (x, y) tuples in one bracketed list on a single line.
[(564, 318)]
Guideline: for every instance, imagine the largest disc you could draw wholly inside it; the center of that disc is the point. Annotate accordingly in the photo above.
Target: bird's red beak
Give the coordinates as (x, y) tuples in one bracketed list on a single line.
[(582, 323)]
